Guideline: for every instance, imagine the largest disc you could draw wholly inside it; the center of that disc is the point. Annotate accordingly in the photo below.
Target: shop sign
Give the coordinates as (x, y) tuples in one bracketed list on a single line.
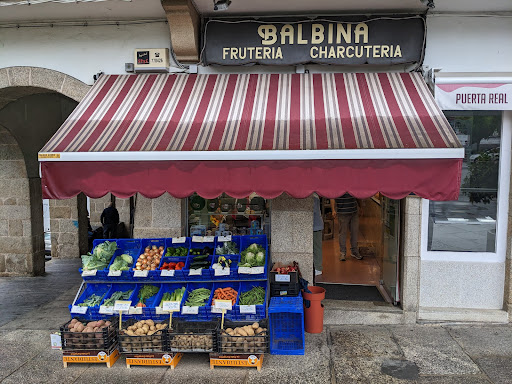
[(489, 97), (339, 41)]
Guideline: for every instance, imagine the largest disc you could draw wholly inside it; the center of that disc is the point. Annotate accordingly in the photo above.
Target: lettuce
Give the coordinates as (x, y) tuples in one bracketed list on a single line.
[(121, 263), (100, 257), (253, 256)]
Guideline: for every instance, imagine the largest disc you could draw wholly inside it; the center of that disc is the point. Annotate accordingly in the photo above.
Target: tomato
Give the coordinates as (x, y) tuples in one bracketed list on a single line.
[(180, 264), (178, 268)]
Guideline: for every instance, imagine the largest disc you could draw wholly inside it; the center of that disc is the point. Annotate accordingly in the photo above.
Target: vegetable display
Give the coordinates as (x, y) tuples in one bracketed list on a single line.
[(176, 252), (228, 248), (255, 296), (201, 251), (176, 295), (200, 262), (172, 266), (144, 328), (150, 259), (253, 256), (91, 335), (225, 294), (222, 263), (100, 257), (145, 293), (118, 295), (247, 339), (121, 263), (198, 297), (91, 301)]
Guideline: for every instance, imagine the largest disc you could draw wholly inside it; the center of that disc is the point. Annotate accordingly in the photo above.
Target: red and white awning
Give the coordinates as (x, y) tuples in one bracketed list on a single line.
[(214, 124)]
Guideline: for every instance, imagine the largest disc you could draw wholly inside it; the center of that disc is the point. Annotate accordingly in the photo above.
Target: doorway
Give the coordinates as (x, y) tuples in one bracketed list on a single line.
[(375, 277)]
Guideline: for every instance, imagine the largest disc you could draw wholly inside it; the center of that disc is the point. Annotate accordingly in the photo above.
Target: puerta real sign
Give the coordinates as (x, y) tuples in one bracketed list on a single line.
[(338, 41)]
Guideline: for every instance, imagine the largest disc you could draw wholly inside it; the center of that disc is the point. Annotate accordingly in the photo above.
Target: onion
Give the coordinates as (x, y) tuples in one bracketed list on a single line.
[(147, 249), (143, 257)]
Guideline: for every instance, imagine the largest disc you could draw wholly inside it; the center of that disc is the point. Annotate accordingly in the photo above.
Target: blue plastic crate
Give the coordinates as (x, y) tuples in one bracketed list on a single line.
[(260, 310), (170, 244), (233, 268), (194, 245), (101, 274), (124, 246), (99, 289), (235, 239), (152, 275), (230, 315), (202, 314), (286, 321), (246, 242), (206, 273), (150, 302), (114, 288), (166, 288), (178, 274)]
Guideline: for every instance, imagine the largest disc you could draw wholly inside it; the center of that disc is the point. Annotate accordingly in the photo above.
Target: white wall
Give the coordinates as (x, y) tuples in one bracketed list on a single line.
[(80, 52), (469, 44)]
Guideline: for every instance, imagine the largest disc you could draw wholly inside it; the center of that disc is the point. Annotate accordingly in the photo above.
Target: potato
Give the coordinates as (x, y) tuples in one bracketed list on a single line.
[(79, 327), (258, 330), (130, 332), (242, 332), (152, 328), (255, 326), (228, 330), (142, 322), (88, 329), (92, 324), (150, 322), (101, 323), (107, 323), (250, 332), (73, 321)]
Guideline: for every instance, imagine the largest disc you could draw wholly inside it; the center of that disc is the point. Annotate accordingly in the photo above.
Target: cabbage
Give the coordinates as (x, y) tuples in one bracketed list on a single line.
[(121, 263), (260, 258), (253, 256), (100, 257)]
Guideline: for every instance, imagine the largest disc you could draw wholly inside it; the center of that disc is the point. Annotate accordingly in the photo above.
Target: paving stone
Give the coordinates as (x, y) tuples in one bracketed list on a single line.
[(362, 370), (364, 341), (433, 350), (497, 368), (494, 340), (466, 379)]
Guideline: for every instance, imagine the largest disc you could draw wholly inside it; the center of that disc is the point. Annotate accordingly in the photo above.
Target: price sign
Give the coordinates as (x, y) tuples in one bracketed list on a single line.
[(167, 272), (197, 239), (135, 311), (179, 240), (189, 310), (208, 239), (224, 238), (92, 272), (223, 304), (217, 310), (114, 273), (78, 309), (56, 340), (257, 270), (122, 305), (195, 272), (283, 278), (104, 310), (140, 273), (221, 272), (244, 270), (160, 311), (248, 309), (171, 306)]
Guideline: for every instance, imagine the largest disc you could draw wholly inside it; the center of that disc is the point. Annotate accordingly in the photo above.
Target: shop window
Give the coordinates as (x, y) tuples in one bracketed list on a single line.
[(226, 215), (469, 224)]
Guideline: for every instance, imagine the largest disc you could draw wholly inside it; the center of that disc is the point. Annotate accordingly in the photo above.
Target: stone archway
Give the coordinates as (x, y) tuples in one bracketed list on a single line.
[(22, 88)]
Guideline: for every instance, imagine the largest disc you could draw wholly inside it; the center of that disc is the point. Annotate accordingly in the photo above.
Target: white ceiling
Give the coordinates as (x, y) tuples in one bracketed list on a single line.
[(152, 9), (103, 10)]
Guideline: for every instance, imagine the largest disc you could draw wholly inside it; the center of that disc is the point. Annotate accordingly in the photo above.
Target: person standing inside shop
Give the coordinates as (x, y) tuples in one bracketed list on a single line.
[(347, 207), (318, 228), (109, 219)]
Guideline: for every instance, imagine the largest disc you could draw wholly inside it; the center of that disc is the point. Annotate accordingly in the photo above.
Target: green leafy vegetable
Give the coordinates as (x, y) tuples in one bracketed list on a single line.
[(121, 263), (118, 295), (146, 292), (100, 257), (228, 248), (256, 296), (91, 301), (253, 256)]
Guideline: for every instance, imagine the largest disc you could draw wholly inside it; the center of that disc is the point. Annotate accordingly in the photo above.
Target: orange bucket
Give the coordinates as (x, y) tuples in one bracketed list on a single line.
[(314, 314)]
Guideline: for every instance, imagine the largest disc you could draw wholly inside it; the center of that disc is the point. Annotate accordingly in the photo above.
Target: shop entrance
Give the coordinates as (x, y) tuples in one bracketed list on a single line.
[(375, 277)]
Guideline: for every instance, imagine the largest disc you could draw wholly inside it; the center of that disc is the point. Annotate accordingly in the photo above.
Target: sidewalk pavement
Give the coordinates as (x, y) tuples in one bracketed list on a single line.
[(32, 308)]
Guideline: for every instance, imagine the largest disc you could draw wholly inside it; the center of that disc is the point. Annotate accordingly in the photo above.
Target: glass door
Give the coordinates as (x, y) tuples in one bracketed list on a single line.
[(390, 247)]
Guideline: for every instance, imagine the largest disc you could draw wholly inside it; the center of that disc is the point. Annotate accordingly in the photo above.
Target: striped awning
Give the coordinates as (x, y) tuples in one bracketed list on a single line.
[(253, 117)]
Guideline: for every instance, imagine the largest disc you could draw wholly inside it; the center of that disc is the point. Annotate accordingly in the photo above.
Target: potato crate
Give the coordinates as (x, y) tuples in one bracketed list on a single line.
[(155, 342), (97, 338), (193, 336), (286, 320), (243, 343)]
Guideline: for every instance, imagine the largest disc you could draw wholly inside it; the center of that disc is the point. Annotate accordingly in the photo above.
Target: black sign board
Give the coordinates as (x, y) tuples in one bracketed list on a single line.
[(341, 41)]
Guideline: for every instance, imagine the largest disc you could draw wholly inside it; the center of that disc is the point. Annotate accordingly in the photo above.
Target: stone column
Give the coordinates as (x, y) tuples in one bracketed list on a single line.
[(156, 218), (64, 228), (410, 270), (292, 232)]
